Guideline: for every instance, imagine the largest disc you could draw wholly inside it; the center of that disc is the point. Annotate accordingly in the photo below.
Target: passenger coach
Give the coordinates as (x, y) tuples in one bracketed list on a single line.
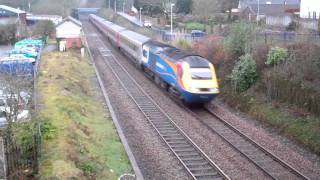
[(189, 76)]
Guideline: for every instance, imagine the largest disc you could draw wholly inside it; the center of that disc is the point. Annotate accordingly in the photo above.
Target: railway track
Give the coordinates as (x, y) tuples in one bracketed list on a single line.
[(193, 159), (264, 160)]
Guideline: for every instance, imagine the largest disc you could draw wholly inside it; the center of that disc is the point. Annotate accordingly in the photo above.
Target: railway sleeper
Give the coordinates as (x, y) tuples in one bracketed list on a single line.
[(180, 146), (157, 118), (201, 169), (196, 164), (170, 135), (168, 131), (205, 175), (166, 128), (187, 154), (161, 122), (177, 142), (184, 150), (193, 159), (174, 138), (164, 125)]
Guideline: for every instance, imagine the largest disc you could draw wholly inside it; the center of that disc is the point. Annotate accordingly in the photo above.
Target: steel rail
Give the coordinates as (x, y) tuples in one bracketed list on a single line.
[(259, 147)]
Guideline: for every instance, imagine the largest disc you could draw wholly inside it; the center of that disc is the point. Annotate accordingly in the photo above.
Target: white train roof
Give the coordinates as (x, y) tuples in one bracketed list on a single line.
[(137, 38)]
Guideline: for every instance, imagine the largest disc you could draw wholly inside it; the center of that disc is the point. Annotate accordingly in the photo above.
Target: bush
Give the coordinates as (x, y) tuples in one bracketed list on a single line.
[(244, 74), (292, 26), (211, 48), (276, 55), (195, 26), (259, 54), (182, 44), (239, 41)]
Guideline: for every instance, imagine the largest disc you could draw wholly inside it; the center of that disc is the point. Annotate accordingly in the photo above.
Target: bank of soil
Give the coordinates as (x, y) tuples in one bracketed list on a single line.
[(80, 141)]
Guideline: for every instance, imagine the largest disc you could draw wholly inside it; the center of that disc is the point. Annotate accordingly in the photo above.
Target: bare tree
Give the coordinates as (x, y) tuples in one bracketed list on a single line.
[(16, 86), (228, 5), (206, 8)]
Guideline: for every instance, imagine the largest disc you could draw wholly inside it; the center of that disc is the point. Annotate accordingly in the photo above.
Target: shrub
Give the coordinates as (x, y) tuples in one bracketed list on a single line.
[(240, 38), (244, 74), (182, 44), (195, 26), (276, 55), (259, 54), (211, 48), (292, 26)]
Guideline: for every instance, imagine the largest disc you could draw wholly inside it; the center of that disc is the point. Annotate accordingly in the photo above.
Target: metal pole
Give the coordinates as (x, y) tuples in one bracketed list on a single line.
[(115, 5), (109, 4), (171, 17), (258, 11), (123, 6), (140, 16)]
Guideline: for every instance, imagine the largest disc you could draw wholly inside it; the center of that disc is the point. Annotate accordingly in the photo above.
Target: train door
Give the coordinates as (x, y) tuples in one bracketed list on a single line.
[(152, 61), (145, 54)]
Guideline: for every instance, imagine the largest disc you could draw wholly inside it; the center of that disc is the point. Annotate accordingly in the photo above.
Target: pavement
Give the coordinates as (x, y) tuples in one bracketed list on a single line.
[(132, 19), (49, 48)]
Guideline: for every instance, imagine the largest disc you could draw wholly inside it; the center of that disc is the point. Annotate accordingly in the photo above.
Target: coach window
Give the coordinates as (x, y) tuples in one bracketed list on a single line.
[(144, 53)]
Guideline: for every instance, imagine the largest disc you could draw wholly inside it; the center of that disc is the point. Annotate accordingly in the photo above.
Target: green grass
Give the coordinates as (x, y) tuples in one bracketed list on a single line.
[(80, 141), (304, 129)]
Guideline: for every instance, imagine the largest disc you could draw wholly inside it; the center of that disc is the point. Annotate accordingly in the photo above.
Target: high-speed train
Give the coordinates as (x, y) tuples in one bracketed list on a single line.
[(189, 76)]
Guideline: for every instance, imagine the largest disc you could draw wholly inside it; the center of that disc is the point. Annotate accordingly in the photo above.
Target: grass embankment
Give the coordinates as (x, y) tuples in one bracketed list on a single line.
[(80, 141)]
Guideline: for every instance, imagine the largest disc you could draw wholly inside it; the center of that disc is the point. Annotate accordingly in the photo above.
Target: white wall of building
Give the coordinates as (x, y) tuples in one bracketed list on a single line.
[(310, 7), (68, 30)]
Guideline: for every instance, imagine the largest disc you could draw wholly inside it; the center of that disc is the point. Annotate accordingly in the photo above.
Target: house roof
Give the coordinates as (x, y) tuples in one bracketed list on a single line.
[(273, 9), (292, 2), (11, 9), (69, 18)]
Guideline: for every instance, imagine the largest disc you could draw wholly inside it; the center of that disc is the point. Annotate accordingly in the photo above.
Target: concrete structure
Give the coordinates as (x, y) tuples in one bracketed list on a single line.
[(9, 15), (310, 9), (68, 34), (34, 18)]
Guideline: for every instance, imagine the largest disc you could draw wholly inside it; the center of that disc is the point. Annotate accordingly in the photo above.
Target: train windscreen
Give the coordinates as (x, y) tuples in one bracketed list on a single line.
[(200, 73)]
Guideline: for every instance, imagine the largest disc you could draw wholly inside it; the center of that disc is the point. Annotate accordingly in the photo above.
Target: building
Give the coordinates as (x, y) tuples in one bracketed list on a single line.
[(272, 12), (34, 18), (9, 15), (68, 33), (310, 9), (245, 3)]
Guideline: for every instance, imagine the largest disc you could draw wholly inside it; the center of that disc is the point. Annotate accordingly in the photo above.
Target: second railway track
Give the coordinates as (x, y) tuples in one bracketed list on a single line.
[(269, 163)]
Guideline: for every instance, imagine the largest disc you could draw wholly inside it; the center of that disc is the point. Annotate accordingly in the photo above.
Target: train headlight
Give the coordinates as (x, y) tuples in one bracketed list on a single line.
[(194, 90), (214, 90)]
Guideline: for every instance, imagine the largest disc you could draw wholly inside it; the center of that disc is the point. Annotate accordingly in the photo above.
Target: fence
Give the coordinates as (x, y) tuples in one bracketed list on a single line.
[(287, 37), (22, 161)]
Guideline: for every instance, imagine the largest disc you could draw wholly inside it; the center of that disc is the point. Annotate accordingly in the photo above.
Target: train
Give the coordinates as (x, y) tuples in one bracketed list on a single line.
[(188, 76)]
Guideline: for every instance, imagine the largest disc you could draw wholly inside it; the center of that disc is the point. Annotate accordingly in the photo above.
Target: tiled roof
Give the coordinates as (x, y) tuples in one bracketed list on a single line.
[(69, 18), (14, 10)]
